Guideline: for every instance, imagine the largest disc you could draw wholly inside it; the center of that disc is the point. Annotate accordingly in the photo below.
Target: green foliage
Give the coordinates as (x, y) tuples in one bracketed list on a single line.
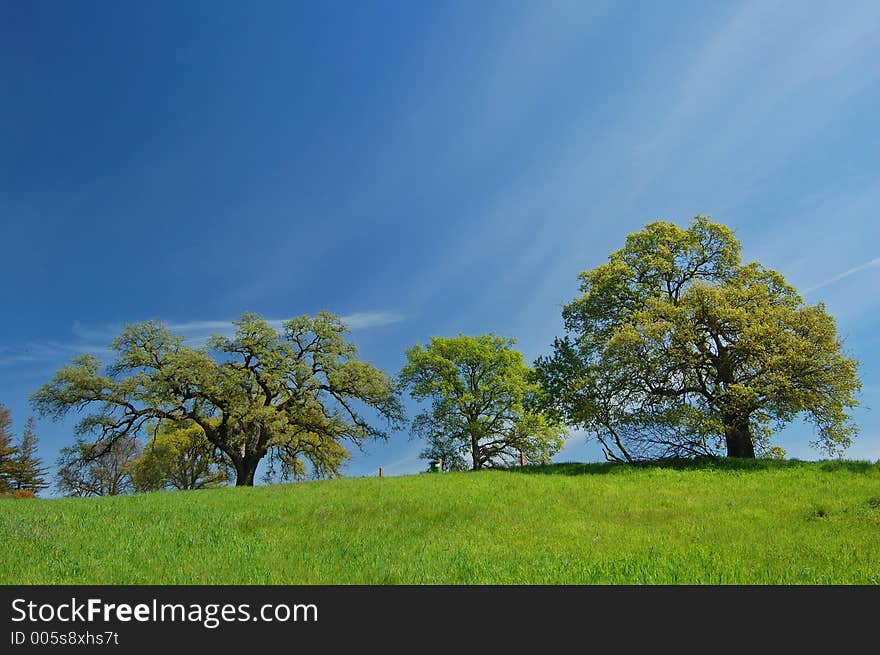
[(722, 521), (20, 468), (483, 402), (8, 451), (677, 348), (295, 394), (446, 449), (178, 456), (28, 472)]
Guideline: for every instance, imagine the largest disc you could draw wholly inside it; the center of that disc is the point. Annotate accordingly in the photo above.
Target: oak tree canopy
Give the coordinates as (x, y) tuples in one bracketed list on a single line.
[(300, 393), (677, 348)]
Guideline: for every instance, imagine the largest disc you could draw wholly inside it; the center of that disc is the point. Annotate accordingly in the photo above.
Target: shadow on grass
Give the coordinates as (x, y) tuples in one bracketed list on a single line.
[(731, 464)]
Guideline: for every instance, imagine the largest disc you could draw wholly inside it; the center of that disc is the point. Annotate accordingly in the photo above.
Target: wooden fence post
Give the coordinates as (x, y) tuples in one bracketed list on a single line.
[(440, 462), (522, 458), (381, 472)]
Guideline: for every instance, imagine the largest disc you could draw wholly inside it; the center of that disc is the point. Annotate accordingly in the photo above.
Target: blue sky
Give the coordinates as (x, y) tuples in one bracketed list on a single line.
[(422, 168)]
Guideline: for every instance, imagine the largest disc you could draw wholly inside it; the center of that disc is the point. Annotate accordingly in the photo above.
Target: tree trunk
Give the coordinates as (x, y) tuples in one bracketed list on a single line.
[(245, 470), (475, 453), (738, 436)]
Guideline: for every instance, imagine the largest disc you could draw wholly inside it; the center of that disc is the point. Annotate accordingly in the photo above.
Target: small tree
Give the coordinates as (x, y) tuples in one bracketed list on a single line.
[(28, 472), (88, 469), (445, 449), (179, 456), (8, 451), (483, 400)]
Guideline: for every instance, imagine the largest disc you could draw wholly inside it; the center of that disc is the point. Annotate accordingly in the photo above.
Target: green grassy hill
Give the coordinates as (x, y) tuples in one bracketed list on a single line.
[(727, 522)]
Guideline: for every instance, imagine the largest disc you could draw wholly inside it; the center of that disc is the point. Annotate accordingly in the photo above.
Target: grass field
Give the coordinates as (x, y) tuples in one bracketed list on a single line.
[(680, 523)]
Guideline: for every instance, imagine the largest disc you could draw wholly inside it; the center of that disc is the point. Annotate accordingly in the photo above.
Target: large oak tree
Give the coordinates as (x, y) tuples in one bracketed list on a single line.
[(298, 393), (676, 347)]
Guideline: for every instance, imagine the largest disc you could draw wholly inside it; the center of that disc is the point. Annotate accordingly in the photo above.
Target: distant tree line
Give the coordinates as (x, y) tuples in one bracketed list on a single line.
[(21, 470), (175, 456), (674, 348)]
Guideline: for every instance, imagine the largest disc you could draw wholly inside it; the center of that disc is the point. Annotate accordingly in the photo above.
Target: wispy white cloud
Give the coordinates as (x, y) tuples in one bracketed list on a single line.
[(731, 112), (355, 321), (874, 263), (95, 338), (821, 238), (46, 351), (749, 78), (364, 320)]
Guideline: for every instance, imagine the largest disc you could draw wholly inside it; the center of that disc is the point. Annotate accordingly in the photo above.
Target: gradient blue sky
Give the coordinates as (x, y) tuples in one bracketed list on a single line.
[(425, 168)]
